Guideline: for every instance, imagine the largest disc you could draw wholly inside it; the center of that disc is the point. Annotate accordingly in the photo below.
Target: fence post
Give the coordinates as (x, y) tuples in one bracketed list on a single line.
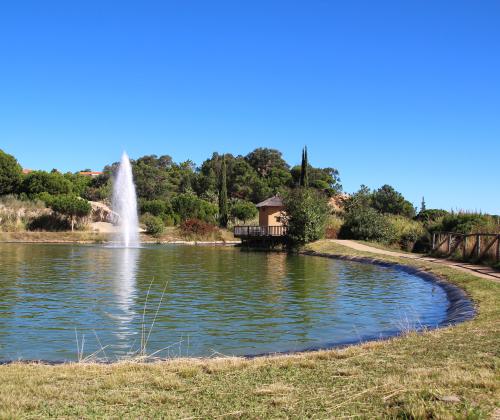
[(498, 248), (464, 248), (478, 246), (434, 241)]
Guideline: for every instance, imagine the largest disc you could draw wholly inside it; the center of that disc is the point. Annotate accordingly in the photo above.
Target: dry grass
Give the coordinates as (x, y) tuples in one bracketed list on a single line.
[(447, 373), (55, 237)]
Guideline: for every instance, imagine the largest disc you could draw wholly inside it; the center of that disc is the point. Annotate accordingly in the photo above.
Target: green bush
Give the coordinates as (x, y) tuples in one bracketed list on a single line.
[(367, 224), (306, 215), (406, 232), (468, 223), (154, 225), (431, 215), (10, 173), (189, 206), (243, 210), (38, 182), (70, 206), (387, 200)]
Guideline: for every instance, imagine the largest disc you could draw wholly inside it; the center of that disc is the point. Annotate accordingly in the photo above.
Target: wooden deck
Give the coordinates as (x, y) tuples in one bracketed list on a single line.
[(254, 232)]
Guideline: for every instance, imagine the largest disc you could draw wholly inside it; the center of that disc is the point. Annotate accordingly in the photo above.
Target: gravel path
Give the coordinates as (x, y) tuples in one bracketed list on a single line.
[(478, 270)]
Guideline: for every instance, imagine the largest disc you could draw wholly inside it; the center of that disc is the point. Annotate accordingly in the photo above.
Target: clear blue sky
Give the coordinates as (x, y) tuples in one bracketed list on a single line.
[(399, 92)]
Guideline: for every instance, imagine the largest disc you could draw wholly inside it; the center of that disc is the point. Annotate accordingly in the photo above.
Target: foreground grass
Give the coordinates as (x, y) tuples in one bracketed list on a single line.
[(447, 373)]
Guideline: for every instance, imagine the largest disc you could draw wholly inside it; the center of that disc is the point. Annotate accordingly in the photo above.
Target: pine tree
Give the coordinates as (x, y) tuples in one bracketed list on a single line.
[(223, 206), (304, 177), (422, 206)]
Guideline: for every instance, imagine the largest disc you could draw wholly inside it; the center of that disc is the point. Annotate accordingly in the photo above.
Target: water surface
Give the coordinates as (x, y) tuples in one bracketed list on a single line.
[(215, 300)]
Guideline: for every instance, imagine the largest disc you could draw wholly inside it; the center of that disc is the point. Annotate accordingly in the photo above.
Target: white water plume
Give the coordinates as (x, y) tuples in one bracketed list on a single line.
[(125, 205)]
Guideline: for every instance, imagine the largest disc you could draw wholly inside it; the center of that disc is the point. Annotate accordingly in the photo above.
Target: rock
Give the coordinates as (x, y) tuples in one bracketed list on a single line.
[(450, 399)]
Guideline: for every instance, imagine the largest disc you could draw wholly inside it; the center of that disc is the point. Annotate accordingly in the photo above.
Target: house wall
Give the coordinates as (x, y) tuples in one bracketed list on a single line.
[(270, 216)]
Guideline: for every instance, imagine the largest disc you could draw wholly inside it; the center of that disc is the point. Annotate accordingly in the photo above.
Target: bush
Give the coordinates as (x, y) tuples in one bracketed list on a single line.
[(189, 206), (158, 208), (306, 215), (367, 224), (38, 182), (154, 225), (431, 215), (387, 200), (333, 227), (70, 206), (406, 232), (468, 223), (197, 228), (243, 210), (10, 173)]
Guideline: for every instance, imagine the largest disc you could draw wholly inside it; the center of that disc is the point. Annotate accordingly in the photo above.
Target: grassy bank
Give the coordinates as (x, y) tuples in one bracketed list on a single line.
[(447, 373), (55, 237), (171, 234)]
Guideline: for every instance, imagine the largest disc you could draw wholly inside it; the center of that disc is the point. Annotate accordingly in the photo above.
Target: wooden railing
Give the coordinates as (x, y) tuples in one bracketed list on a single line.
[(475, 246), (259, 231)]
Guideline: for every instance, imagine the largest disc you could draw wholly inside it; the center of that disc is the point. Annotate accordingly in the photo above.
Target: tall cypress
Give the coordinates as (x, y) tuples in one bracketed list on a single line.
[(223, 206), (304, 177)]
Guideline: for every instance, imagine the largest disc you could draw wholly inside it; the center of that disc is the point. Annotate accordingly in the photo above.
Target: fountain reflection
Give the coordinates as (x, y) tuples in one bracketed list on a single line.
[(124, 267)]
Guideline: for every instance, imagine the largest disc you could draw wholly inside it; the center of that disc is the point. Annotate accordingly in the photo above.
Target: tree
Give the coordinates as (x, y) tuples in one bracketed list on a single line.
[(422, 206), (189, 206), (10, 173), (304, 178), (70, 206), (306, 213), (387, 200), (243, 210), (54, 183), (263, 160), (223, 207)]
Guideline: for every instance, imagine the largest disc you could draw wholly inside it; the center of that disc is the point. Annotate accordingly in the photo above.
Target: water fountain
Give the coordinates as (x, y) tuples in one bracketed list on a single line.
[(125, 205)]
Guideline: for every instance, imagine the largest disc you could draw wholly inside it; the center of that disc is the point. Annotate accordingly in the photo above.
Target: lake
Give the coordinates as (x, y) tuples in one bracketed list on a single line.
[(197, 301)]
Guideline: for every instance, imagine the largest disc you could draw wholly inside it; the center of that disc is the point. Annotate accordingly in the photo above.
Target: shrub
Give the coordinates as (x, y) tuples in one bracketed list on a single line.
[(468, 223), (159, 208), (387, 200), (333, 227), (366, 223), (306, 215), (154, 225), (189, 206), (70, 206), (50, 222), (243, 210), (197, 228), (38, 182), (431, 215), (10, 173), (406, 232)]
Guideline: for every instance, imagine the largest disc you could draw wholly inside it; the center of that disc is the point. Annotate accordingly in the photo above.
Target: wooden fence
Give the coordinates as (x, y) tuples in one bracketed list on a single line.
[(259, 231), (475, 246)]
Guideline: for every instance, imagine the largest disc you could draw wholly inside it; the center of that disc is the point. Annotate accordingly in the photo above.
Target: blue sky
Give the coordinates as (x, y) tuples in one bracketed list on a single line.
[(399, 92)]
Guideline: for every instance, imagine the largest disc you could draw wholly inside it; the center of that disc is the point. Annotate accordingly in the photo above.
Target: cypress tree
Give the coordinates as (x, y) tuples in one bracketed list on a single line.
[(223, 206), (422, 206), (304, 177)]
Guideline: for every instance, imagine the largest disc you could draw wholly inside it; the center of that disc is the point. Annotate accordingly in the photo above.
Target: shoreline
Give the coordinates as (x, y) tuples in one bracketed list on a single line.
[(461, 308)]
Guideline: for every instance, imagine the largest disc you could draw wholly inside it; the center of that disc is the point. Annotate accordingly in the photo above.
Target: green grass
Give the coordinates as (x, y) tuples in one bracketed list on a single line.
[(447, 373)]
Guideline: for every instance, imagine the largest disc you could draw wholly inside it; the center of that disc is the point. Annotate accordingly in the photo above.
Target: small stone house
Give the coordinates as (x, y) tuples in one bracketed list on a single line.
[(271, 212)]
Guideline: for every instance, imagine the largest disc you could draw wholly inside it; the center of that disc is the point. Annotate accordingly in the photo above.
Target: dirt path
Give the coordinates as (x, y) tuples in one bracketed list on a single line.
[(478, 270)]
